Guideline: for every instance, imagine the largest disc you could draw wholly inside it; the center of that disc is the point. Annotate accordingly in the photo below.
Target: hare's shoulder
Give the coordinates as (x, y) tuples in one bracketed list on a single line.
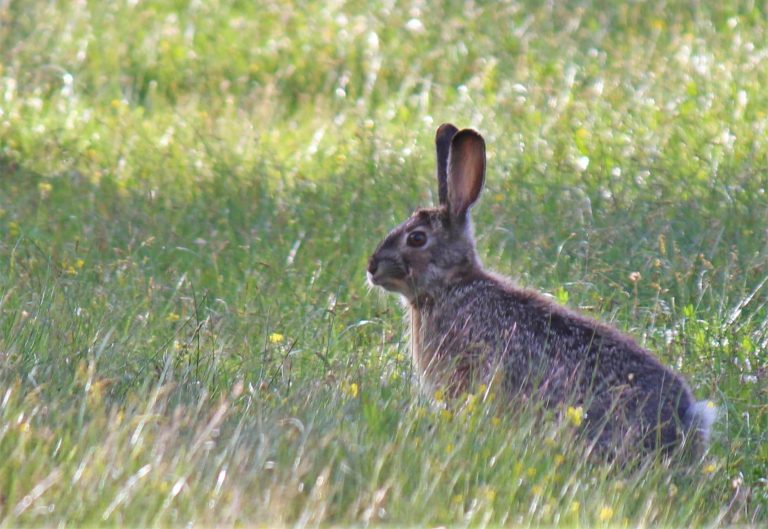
[(496, 297)]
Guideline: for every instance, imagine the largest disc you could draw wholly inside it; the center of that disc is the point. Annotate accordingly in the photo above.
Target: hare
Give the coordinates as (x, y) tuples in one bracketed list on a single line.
[(471, 326)]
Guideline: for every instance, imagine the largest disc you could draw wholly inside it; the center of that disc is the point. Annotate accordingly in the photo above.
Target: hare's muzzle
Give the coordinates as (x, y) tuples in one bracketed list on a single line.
[(373, 265), (386, 273)]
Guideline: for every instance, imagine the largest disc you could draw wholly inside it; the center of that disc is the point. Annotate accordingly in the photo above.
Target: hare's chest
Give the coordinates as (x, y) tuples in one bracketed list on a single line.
[(434, 342), (421, 351)]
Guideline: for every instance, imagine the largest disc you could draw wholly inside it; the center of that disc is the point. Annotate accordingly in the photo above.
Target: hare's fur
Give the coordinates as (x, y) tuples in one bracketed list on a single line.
[(469, 325)]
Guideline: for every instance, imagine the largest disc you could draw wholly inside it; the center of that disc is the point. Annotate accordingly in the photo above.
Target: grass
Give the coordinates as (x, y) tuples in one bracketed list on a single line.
[(189, 192)]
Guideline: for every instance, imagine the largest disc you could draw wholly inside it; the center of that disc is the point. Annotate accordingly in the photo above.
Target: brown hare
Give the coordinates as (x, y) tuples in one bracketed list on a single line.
[(469, 325)]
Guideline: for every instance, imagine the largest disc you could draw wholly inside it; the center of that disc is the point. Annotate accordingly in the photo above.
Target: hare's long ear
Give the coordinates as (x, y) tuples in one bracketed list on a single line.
[(443, 137), (466, 172)]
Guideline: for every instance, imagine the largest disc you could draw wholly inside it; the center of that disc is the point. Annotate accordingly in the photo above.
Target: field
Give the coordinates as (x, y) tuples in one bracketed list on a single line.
[(189, 192)]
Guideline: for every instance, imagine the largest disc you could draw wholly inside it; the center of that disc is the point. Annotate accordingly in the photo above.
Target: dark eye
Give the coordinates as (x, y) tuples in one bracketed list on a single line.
[(416, 239)]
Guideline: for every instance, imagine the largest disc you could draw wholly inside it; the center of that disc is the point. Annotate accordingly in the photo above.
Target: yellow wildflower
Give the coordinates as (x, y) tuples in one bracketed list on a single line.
[(575, 506), (439, 395), (606, 513), (709, 469), (470, 404), (488, 492), (44, 188), (13, 228), (537, 490), (575, 415), (276, 338), (172, 317), (353, 390)]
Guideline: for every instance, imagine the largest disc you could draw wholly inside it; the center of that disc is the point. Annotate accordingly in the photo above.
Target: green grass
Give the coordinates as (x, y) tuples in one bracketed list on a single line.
[(189, 192)]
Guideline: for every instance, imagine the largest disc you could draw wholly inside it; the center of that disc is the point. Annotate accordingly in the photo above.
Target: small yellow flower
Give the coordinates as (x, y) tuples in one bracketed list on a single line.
[(531, 472), (457, 498), (471, 404), (709, 469), (559, 458), (575, 506), (79, 263), (489, 493), (13, 228), (172, 317), (276, 338), (353, 390), (495, 421), (439, 395), (575, 415), (449, 448), (446, 415), (606, 513), (537, 490), (44, 188)]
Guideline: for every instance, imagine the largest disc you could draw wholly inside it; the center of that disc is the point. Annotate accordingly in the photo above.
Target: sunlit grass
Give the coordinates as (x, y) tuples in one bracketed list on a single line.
[(188, 196)]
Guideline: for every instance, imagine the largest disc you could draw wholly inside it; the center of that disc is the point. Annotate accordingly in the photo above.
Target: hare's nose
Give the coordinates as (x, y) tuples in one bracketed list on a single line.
[(373, 265)]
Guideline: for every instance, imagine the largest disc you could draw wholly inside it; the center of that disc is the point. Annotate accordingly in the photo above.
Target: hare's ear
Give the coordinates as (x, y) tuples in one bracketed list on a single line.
[(466, 172), (443, 137)]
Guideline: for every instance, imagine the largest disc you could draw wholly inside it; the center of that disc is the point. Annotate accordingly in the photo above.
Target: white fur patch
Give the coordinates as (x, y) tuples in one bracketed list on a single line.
[(701, 416)]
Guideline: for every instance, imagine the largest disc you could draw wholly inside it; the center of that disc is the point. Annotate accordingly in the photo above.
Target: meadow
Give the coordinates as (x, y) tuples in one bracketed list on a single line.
[(189, 192)]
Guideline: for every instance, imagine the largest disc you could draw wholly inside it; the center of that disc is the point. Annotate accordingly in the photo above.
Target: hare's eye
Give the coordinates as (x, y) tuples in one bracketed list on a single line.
[(416, 239)]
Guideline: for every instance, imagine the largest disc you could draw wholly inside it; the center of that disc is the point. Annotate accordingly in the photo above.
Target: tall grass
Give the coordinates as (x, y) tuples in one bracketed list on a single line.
[(188, 195)]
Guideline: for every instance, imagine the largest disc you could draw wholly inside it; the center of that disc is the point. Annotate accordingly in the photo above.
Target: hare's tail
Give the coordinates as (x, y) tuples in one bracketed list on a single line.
[(699, 418)]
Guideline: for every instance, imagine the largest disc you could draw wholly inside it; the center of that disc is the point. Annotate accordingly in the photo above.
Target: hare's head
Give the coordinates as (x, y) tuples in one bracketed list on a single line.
[(434, 247)]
